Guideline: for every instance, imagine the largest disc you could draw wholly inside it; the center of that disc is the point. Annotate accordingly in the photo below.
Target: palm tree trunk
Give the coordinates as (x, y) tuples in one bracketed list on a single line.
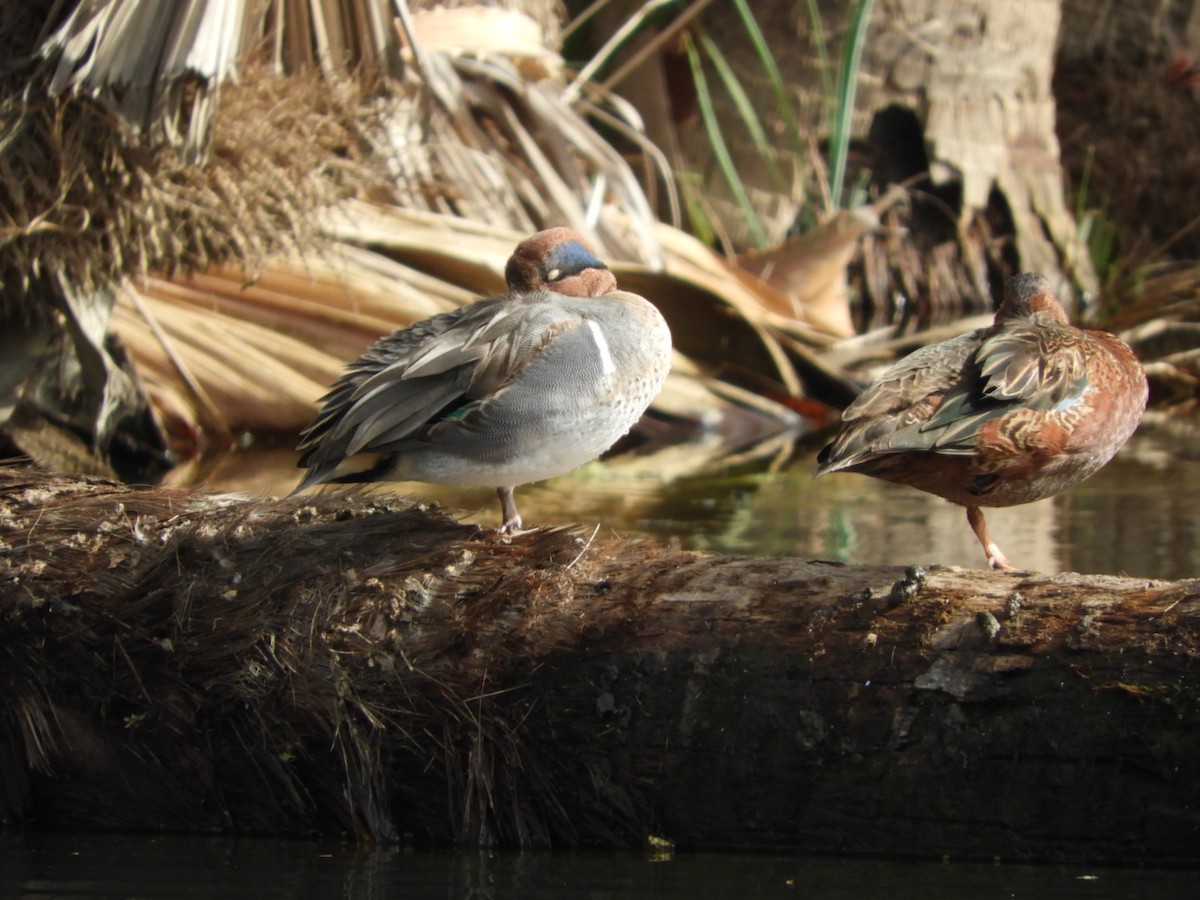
[(954, 99)]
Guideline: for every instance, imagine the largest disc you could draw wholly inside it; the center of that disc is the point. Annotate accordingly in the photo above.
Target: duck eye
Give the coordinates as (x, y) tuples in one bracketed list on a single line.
[(554, 274)]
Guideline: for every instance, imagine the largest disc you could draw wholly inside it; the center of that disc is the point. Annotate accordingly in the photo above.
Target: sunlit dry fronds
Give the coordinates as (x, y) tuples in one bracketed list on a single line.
[(497, 149), (218, 355), (79, 199), (161, 67)]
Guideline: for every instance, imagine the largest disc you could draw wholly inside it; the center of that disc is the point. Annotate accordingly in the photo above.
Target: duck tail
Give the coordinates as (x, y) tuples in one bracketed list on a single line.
[(325, 474)]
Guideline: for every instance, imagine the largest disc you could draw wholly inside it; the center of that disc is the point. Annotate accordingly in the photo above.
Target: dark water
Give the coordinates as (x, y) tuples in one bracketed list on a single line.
[(56, 865), (1139, 516)]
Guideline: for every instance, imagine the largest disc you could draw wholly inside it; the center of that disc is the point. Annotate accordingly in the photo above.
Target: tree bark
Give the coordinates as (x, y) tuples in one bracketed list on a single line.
[(335, 663), (978, 75), (954, 100)]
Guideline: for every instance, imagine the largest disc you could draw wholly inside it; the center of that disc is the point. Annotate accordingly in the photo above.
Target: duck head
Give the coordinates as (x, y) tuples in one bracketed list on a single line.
[(1028, 295), (558, 260)]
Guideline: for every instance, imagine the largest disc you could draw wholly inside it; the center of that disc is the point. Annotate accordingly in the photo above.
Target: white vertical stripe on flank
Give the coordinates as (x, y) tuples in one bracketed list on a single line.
[(606, 360)]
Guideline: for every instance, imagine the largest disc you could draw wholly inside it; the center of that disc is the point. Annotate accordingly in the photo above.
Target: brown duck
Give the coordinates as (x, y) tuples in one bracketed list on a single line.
[(503, 392), (1004, 415)]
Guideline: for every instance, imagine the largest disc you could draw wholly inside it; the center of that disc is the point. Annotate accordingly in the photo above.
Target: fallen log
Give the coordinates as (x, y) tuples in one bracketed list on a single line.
[(180, 661)]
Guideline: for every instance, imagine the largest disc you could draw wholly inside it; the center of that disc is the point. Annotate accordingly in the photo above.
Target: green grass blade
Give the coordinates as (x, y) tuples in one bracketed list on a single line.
[(1094, 227), (821, 45), (839, 139), (1085, 177), (745, 107), (712, 128), (698, 215), (766, 58)]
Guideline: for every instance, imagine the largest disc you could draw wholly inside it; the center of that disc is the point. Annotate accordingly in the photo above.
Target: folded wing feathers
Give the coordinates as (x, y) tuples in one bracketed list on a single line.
[(1009, 364), (1013, 368), (389, 418), (404, 381), (469, 340), (913, 379)]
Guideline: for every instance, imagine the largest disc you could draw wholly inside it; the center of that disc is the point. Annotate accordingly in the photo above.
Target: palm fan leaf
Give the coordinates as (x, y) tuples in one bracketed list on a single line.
[(409, 203)]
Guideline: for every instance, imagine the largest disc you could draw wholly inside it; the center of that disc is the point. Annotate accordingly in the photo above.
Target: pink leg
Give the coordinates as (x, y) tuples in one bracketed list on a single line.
[(995, 557)]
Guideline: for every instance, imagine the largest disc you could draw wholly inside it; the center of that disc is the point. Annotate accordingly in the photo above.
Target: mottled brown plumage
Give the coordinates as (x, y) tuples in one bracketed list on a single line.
[(1008, 414)]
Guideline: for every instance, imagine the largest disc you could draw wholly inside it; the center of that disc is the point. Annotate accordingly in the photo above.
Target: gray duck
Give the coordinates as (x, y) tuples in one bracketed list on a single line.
[(505, 391)]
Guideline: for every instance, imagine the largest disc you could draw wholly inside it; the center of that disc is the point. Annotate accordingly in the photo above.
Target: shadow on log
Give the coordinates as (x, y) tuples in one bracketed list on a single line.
[(340, 663)]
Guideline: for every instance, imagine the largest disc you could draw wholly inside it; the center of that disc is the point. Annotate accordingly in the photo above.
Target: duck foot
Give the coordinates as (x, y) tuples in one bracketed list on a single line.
[(995, 556), (508, 509)]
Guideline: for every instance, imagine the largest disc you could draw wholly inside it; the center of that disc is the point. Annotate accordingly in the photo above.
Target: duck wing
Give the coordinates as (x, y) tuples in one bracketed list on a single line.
[(422, 374), (905, 390), (938, 398), (1023, 373), (902, 397)]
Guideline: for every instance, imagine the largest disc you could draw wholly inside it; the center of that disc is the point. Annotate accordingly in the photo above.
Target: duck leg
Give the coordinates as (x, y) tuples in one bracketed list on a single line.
[(508, 509), (995, 557)]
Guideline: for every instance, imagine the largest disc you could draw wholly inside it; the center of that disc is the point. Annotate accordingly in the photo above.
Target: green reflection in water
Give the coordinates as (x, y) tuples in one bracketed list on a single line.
[(1139, 516)]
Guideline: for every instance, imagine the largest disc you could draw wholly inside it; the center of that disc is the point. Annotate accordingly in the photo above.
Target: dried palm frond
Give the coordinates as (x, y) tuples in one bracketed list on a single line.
[(496, 149), (1169, 291), (161, 66), (1158, 314), (473, 29), (79, 199), (244, 287), (747, 329), (219, 356), (810, 269)]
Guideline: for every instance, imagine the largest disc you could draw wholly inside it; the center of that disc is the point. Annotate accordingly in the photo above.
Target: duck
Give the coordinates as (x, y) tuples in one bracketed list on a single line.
[(1015, 412), (503, 392)]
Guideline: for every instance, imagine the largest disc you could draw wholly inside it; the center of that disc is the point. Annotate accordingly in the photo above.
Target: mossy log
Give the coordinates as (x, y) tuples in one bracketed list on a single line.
[(341, 663)]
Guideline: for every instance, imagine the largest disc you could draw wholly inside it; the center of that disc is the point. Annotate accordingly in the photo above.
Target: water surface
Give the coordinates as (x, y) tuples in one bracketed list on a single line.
[(1138, 516), (39, 865)]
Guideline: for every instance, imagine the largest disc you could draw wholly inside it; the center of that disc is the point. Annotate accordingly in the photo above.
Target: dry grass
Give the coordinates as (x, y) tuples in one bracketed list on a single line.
[(82, 200)]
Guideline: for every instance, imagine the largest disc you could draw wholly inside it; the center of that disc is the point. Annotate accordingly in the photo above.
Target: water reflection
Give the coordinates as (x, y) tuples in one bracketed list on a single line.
[(63, 865), (1138, 516)]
